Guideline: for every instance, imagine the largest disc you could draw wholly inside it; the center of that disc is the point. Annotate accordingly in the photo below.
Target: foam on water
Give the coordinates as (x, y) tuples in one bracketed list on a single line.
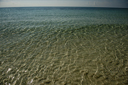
[(57, 53)]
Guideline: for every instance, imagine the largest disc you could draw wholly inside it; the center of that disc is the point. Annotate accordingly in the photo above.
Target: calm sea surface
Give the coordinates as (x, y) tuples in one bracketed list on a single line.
[(63, 46)]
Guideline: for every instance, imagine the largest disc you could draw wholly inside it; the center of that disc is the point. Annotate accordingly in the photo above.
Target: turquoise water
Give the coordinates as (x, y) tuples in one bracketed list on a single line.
[(63, 46)]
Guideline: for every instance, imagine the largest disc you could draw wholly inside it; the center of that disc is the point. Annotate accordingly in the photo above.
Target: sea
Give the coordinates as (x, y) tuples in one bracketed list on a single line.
[(63, 46)]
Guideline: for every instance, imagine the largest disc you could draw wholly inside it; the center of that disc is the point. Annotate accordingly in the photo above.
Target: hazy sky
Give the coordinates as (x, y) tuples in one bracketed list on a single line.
[(74, 3)]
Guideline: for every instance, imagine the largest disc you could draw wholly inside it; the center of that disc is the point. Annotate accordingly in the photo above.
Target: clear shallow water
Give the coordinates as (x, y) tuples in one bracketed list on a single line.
[(63, 46)]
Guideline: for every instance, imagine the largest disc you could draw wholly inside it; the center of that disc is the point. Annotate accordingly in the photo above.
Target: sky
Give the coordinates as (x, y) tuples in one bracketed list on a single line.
[(64, 3)]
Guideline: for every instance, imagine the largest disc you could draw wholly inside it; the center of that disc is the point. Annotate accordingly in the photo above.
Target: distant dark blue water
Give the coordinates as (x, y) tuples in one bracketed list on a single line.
[(63, 46), (40, 16)]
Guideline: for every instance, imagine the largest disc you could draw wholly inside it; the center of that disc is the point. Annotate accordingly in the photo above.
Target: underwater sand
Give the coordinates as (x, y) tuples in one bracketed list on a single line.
[(90, 55)]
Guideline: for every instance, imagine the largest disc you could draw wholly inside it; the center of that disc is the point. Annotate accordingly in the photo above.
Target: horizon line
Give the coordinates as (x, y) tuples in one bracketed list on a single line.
[(62, 6)]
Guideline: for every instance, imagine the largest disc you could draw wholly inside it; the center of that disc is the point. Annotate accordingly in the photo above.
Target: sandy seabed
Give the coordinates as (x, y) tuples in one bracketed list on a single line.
[(90, 55)]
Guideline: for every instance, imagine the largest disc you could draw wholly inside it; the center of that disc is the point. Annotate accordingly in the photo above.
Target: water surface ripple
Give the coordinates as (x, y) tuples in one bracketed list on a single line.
[(48, 53)]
